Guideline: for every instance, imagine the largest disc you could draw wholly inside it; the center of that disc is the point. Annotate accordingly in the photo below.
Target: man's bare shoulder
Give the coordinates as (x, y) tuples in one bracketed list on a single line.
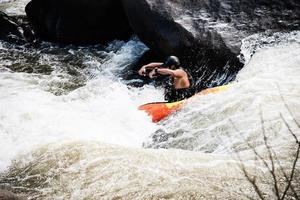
[(181, 72)]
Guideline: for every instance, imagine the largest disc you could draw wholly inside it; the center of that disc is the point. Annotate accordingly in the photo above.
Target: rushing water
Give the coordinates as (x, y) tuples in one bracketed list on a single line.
[(268, 82), (13, 7), (53, 94), (70, 128)]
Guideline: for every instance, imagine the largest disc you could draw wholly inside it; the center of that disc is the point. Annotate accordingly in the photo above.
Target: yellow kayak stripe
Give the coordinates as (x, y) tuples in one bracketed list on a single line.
[(171, 105)]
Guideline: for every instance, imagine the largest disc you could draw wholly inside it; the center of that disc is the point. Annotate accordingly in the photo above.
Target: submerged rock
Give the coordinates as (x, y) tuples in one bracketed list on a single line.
[(79, 21)]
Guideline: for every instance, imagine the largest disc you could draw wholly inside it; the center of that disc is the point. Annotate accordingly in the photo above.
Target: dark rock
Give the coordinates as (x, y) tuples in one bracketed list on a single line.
[(9, 29), (171, 25), (207, 34), (79, 21), (7, 195), (131, 73), (15, 29), (27, 31)]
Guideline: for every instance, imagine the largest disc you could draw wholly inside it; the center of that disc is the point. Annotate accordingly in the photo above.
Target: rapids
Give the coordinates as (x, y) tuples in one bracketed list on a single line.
[(83, 100), (70, 128), (269, 80)]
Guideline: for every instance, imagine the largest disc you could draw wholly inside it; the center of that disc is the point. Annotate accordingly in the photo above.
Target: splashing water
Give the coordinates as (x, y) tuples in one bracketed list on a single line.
[(268, 82), (13, 7), (104, 109), (62, 136), (70, 128)]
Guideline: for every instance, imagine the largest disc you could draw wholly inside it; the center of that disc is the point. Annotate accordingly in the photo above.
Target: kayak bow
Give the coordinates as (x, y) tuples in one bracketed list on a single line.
[(160, 110)]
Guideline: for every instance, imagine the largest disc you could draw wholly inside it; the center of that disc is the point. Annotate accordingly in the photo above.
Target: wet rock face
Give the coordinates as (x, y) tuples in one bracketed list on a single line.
[(207, 34), (170, 25), (79, 21), (161, 26), (15, 29), (8, 29)]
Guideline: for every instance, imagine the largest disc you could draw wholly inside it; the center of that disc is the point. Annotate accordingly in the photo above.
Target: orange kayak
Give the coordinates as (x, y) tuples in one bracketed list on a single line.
[(160, 110)]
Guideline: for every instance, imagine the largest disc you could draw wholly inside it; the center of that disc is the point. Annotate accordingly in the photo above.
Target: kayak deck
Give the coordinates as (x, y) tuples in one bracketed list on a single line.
[(160, 110)]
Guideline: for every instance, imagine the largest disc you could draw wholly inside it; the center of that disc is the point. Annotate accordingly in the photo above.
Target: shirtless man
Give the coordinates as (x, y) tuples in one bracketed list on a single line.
[(179, 78)]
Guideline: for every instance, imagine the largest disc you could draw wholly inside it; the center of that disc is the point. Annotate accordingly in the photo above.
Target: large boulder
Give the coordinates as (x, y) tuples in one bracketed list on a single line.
[(171, 25), (207, 34), (79, 21)]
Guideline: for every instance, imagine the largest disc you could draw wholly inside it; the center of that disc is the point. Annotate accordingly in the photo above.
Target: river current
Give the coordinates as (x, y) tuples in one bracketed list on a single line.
[(70, 127)]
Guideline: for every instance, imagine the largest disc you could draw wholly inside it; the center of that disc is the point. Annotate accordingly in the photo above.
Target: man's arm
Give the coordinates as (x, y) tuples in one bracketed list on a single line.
[(149, 66), (164, 71)]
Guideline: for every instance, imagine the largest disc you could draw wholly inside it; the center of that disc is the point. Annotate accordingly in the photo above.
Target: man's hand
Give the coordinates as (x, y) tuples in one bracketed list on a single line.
[(142, 71), (150, 66), (152, 74)]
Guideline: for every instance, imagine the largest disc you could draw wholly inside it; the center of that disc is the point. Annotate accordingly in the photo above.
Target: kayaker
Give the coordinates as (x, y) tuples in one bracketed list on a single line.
[(180, 81)]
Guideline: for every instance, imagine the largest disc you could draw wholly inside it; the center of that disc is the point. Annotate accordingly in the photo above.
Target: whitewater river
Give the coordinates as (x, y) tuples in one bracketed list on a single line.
[(70, 128)]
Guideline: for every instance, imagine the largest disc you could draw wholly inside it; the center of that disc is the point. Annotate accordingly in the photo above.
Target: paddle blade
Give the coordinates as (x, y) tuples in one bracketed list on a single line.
[(160, 110)]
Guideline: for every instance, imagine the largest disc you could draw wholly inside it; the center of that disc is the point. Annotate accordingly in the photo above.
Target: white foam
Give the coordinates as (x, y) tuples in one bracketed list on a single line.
[(105, 109), (228, 121), (14, 7)]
